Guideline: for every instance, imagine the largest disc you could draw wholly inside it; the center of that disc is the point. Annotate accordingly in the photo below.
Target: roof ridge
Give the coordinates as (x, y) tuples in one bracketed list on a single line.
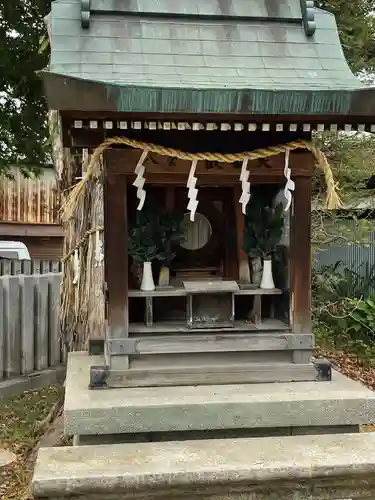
[(306, 18)]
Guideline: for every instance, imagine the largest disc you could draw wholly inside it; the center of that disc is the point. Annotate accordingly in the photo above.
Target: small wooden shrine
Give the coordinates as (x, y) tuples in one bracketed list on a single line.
[(202, 113)]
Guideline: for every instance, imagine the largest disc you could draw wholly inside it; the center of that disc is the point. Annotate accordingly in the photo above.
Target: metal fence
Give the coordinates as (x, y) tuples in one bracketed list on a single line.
[(353, 256), (30, 339)]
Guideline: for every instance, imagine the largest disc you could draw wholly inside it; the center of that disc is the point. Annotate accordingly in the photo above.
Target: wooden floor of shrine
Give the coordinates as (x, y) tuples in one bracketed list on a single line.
[(173, 327)]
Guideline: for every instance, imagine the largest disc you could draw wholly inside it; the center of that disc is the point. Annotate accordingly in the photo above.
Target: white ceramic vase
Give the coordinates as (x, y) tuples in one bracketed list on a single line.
[(267, 282), (147, 284)]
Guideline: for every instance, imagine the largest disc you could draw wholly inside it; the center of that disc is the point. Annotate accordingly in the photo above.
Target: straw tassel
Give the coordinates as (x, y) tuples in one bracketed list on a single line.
[(333, 200)]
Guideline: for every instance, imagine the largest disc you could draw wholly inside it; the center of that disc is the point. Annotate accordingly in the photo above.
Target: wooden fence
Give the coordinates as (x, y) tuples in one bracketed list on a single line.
[(30, 339), (29, 200), (14, 267)]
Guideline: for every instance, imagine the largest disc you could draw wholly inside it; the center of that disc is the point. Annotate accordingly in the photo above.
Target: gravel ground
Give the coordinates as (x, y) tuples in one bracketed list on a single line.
[(23, 421)]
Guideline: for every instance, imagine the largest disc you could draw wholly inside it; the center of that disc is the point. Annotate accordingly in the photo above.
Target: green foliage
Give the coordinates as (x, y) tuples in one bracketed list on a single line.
[(170, 230), (344, 309), (340, 228), (334, 338), (143, 238), (153, 232), (336, 282), (361, 316), (349, 325), (263, 228), (352, 160), (357, 31), (23, 110)]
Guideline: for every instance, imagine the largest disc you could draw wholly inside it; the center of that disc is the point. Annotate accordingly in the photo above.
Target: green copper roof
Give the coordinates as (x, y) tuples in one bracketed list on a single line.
[(199, 56)]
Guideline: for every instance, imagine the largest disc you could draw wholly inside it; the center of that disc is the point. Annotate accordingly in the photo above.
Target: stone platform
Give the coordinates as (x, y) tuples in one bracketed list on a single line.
[(314, 467), (174, 413)]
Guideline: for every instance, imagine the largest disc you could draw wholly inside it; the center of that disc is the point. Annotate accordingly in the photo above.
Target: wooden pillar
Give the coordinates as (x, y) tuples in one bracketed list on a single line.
[(169, 199), (164, 273), (242, 257), (116, 262), (300, 255)]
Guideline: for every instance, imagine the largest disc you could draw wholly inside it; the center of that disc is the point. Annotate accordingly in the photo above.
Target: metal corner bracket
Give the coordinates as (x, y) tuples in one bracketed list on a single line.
[(85, 13), (122, 347), (308, 17), (323, 370), (98, 377)]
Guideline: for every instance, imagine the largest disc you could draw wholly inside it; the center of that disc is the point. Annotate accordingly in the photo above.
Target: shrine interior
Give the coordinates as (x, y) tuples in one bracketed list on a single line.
[(207, 251), (209, 248)]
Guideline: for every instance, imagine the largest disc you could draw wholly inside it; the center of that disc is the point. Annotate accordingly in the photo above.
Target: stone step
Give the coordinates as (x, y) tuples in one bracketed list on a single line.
[(288, 407), (315, 467)]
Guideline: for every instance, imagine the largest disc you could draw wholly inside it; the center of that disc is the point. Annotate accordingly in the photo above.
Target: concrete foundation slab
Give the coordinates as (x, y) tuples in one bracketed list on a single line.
[(341, 402), (338, 466)]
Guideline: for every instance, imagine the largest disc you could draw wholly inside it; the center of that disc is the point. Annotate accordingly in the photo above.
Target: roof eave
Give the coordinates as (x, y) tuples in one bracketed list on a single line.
[(66, 93)]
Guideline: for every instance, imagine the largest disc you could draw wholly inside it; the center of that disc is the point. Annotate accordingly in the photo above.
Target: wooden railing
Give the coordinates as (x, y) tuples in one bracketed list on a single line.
[(29, 200)]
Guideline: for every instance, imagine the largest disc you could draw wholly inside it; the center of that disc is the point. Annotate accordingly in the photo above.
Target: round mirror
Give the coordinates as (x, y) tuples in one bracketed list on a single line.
[(197, 233)]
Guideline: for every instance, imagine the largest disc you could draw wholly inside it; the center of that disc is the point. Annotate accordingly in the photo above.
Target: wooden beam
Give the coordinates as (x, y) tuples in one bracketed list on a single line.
[(116, 258), (181, 292), (187, 140), (256, 312), (31, 230), (223, 342), (241, 373), (204, 180), (123, 161), (242, 257), (181, 327), (300, 257), (70, 115)]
